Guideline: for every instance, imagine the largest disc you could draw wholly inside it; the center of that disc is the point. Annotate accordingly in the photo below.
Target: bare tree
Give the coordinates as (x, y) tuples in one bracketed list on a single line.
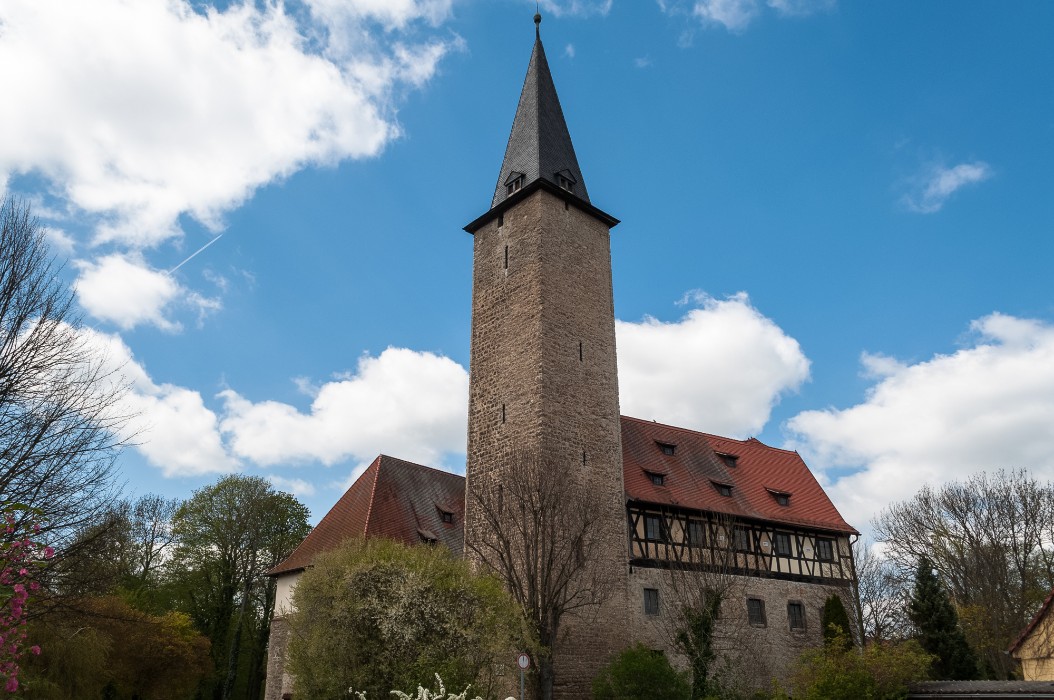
[(880, 598), (60, 429), (701, 593), (990, 538), (540, 532)]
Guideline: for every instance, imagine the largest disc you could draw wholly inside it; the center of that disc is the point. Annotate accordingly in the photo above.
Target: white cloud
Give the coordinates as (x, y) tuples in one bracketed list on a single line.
[(139, 112), (721, 368), (642, 62), (402, 402), (123, 290), (935, 186), (576, 8), (986, 406), (297, 487), (734, 15), (569, 50), (801, 8), (169, 425)]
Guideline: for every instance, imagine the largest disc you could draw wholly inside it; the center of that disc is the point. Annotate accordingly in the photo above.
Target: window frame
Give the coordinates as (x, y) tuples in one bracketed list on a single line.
[(791, 604), (660, 528), (777, 538), (824, 549), (760, 608), (652, 604), (656, 478)]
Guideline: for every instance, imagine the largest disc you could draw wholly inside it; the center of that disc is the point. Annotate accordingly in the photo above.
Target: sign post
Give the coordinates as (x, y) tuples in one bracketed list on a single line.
[(524, 662)]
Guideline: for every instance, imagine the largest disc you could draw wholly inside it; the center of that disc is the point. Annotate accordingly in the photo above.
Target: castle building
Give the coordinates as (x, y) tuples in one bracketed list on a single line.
[(677, 511)]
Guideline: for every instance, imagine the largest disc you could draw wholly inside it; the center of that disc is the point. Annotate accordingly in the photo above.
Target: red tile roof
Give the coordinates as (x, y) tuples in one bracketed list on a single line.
[(695, 466), (406, 501), (393, 498), (1032, 624)]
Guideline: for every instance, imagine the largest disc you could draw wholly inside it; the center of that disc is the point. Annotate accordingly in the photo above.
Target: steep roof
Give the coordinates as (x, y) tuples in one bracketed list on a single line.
[(393, 498), (1025, 633), (692, 473), (405, 501), (540, 144)]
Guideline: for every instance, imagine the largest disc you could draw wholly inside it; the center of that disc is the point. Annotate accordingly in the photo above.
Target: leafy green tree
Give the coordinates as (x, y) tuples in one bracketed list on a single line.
[(639, 673), (226, 537), (937, 626), (375, 615), (838, 671), (835, 622)]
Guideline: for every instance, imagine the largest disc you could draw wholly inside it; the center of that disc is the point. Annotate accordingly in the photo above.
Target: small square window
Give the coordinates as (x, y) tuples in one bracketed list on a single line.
[(782, 544), (756, 612), (448, 517), (796, 616), (729, 460), (667, 448), (783, 499), (657, 479), (824, 549), (651, 601), (653, 529), (723, 489)]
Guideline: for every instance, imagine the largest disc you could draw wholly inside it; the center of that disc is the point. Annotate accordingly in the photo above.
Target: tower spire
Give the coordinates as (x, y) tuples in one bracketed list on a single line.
[(539, 145)]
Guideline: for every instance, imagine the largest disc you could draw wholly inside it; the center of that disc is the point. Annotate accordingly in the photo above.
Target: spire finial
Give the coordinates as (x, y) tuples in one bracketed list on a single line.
[(537, 22)]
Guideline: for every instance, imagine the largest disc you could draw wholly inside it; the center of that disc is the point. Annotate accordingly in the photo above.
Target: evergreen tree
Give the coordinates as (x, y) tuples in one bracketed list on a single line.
[(937, 626), (836, 626)]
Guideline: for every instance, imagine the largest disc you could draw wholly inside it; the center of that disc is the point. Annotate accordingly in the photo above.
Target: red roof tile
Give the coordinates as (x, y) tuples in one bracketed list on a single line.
[(393, 498), (695, 467), (406, 501)]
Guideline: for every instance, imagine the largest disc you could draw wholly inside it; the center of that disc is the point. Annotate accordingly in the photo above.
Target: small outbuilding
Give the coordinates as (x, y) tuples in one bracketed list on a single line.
[(1034, 647)]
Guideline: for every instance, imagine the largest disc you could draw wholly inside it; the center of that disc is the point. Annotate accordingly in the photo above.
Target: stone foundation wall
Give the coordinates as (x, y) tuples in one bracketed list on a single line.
[(278, 681)]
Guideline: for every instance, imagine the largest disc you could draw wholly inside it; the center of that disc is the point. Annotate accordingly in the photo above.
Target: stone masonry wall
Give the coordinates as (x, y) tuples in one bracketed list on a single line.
[(544, 385), (752, 656), (278, 681)]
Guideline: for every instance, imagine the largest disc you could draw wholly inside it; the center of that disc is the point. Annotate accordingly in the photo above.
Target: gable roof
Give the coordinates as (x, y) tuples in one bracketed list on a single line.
[(1027, 632), (393, 498), (691, 471), (539, 143), (404, 501)]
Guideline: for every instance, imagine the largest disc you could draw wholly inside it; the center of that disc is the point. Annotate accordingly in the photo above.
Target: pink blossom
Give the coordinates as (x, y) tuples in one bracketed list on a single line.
[(35, 650)]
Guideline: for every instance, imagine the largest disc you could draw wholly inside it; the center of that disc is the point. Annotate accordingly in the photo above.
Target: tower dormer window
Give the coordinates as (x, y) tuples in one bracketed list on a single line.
[(566, 180), (514, 183)]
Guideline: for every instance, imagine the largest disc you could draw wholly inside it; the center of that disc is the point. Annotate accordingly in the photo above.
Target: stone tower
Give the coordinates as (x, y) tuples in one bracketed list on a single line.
[(544, 384)]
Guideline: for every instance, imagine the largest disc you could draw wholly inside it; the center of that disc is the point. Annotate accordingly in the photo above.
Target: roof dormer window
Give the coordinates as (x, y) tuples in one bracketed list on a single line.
[(514, 183), (566, 180), (729, 460), (656, 478), (723, 488), (782, 497), (667, 448)]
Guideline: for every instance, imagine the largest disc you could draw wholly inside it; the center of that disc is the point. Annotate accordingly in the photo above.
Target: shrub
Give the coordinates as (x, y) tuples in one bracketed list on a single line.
[(639, 673), (840, 671), (375, 615)]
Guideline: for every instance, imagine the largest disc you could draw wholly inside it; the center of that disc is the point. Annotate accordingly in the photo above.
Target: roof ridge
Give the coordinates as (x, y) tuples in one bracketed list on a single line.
[(713, 435), (373, 491), (422, 466)]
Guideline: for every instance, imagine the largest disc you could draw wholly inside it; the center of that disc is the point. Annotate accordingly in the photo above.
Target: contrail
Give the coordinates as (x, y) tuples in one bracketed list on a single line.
[(191, 256)]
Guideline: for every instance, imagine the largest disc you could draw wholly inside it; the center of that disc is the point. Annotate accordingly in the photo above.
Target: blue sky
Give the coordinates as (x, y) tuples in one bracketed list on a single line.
[(836, 221)]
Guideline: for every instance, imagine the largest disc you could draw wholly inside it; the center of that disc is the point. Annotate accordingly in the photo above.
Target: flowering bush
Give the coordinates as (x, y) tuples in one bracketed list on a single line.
[(19, 555), (440, 693)]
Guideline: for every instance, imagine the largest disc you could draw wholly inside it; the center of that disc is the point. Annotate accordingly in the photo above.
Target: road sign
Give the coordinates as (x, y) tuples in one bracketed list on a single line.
[(523, 661)]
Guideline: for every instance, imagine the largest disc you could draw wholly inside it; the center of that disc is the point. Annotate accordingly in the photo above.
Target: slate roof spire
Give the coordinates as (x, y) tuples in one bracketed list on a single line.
[(540, 144)]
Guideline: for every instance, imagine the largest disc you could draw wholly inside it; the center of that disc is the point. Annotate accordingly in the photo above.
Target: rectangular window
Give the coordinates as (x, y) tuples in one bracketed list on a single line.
[(651, 601), (741, 539), (696, 533), (448, 517), (796, 616), (653, 529), (782, 544), (756, 612), (824, 549), (657, 479)]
